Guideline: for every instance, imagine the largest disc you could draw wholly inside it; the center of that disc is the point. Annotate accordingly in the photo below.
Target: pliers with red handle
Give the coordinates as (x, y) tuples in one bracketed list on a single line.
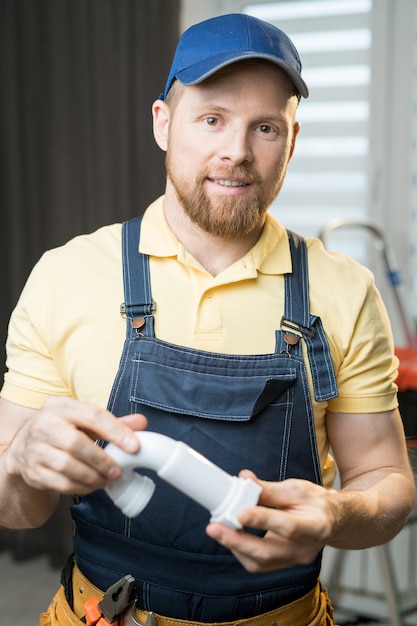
[(115, 601)]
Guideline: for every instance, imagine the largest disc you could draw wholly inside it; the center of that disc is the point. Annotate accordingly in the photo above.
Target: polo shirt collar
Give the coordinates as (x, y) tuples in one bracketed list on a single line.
[(270, 254)]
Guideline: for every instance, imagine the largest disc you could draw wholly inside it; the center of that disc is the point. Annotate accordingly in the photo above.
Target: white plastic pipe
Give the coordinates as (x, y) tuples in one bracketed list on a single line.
[(184, 468)]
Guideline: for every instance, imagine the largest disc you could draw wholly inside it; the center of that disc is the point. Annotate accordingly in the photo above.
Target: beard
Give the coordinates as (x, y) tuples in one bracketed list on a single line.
[(227, 217)]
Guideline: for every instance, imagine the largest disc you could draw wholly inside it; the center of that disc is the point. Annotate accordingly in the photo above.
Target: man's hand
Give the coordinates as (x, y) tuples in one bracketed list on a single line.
[(297, 518), (52, 450), (55, 448)]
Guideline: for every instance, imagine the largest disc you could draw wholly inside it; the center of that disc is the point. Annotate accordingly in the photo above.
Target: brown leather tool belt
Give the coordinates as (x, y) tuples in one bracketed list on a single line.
[(303, 611), (313, 609)]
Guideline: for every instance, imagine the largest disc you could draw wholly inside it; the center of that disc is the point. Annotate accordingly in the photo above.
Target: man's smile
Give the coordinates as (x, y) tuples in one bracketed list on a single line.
[(228, 183)]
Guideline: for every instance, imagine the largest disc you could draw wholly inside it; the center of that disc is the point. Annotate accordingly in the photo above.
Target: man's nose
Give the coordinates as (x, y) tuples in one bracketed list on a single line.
[(236, 147)]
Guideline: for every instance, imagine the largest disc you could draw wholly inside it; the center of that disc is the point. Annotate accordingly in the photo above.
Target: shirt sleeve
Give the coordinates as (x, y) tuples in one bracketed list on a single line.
[(32, 374), (366, 364)]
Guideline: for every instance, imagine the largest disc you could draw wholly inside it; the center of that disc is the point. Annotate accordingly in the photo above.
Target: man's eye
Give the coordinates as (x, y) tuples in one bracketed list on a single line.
[(264, 128), (211, 121)]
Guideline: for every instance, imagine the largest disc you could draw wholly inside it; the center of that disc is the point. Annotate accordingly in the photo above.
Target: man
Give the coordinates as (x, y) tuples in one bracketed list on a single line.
[(239, 342)]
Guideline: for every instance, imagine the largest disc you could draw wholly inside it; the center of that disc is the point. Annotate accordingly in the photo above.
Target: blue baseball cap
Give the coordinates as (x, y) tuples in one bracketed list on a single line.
[(207, 47)]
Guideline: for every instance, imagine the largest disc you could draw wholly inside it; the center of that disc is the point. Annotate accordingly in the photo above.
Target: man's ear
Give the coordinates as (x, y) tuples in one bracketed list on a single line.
[(296, 130), (160, 114)]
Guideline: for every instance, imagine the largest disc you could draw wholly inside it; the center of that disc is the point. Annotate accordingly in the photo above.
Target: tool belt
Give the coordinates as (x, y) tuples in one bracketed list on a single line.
[(313, 609)]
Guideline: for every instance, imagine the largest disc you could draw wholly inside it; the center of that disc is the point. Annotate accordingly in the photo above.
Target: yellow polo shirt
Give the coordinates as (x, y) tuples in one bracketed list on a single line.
[(66, 333)]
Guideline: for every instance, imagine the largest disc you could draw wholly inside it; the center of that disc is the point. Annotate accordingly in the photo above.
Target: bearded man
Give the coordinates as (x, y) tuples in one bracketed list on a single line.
[(257, 348)]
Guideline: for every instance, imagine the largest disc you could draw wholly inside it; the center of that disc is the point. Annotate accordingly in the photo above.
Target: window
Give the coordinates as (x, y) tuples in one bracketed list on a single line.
[(329, 175)]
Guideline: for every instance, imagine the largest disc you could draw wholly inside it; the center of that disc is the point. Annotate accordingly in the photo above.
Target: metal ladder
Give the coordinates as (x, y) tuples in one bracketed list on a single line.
[(398, 603), (393, 272)]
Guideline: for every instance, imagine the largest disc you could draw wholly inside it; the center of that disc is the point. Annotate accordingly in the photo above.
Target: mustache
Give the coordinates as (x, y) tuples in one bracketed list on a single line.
[(239, 172)]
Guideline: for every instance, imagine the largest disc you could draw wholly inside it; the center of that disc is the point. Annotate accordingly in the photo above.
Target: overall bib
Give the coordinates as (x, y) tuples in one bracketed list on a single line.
[(250, 411)]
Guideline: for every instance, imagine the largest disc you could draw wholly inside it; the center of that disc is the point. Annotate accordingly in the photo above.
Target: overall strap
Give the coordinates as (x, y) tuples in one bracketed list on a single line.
[(297, 322), (138, 305)]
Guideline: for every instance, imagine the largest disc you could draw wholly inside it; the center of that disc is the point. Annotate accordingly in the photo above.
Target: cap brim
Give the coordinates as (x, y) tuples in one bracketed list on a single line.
[(198, 72)]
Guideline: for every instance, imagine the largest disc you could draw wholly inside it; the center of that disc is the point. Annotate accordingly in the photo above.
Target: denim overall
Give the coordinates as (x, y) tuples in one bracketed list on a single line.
[(250, 411)]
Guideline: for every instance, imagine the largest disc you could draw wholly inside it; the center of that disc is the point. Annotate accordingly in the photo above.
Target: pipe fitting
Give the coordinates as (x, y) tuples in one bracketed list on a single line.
[(184, 468)]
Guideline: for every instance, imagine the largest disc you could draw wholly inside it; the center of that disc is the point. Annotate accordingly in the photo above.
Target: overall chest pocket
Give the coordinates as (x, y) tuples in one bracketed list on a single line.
[(206, 385)]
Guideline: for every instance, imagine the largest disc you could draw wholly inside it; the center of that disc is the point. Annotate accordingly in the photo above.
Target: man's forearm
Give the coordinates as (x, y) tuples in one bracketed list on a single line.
[(22, 506), (300, 518), (368, 515)]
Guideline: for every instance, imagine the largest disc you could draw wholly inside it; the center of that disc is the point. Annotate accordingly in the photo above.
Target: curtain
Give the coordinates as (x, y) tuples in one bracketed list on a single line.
[(77, 81)]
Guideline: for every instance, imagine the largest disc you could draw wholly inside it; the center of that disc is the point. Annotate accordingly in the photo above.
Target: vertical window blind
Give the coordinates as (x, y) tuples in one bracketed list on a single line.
[(328, 176)]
